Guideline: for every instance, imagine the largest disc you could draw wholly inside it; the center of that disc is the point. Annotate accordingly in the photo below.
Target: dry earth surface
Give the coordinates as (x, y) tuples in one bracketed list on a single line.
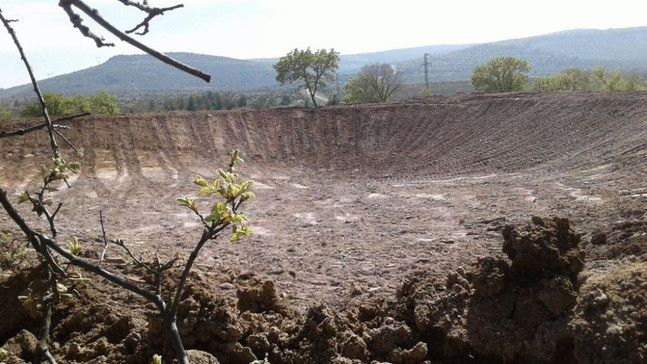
[(378, 231)]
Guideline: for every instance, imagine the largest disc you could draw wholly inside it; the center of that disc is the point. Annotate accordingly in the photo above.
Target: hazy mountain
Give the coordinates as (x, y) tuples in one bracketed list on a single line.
[(621, 49), (136, 74), (618, 49)]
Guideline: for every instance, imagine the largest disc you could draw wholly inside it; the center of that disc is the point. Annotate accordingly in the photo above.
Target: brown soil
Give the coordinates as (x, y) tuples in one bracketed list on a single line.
[(395, 233)]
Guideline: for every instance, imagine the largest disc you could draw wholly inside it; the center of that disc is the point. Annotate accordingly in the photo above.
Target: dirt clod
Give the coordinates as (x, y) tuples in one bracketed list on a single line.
[(544, 248), (20, 347)]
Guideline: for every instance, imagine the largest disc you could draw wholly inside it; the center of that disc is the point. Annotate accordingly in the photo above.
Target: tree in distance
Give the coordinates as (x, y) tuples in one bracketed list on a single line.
[(501, 74), (570, 79), (375, 83), (312, 68), (58, 105), (614, 82), (598, 79)]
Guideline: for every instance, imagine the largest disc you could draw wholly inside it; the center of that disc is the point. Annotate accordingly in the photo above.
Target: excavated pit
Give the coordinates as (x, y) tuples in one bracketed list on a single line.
[(355, 202)]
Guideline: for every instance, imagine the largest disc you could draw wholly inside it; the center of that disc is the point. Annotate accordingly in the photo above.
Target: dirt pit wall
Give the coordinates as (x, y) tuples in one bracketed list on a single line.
[(352, 204), (439, 136)]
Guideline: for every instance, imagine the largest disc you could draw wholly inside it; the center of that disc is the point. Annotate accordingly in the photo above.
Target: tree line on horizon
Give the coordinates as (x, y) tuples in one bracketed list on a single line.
[(509, 74), (314, 71)]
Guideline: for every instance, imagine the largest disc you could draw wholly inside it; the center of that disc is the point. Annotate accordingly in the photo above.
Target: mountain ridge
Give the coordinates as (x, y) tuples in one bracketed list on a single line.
[(624, 49)]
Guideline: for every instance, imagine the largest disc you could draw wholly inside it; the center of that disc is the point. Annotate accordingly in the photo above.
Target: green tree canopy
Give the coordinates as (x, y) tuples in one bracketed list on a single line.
[(571, 79), (57, 105), (374, 83), (312, 68), (576, 79), (615, 82), (501, 74), (104, 103)]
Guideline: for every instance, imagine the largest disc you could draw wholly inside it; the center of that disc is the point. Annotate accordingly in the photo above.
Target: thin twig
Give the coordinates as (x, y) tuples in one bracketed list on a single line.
[(42, 347), (23, 131), (41, 241), (206, 236), (69, 143), (152, 12), (105, 240), (42, 249), (140, 263), (94, 14), (43, 105), (76, 20), (58, 208), (70, 117)]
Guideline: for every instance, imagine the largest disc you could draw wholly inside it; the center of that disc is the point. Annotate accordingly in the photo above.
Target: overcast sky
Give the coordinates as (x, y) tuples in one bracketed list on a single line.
[(270, 28)]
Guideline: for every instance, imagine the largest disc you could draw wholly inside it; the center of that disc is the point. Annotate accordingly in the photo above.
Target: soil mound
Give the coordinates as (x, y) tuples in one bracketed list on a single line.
[(501, 310), (491, 311), (611, 316)]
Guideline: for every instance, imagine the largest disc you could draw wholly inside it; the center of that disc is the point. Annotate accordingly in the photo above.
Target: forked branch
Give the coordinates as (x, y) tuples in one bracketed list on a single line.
[(152, 12), (94, 15)]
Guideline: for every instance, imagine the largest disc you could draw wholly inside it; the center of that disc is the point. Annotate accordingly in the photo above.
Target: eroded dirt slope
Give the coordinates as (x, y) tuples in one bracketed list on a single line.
[(448, 136), (354, 200)]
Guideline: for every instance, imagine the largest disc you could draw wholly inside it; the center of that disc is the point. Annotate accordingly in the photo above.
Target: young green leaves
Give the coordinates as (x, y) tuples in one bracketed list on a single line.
[(188, 203), (229, 195), (75, 247), (60, 171)]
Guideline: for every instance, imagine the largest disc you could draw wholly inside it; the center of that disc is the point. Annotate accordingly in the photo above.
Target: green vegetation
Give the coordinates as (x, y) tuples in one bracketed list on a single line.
[(212, 101), (614, 81), (229, 195), (313, 69), (575, 79), (375, 83), (57, 105), (222, 217), (6, 115), (141, 75), (501, 74), (572, 79), (12, 252)]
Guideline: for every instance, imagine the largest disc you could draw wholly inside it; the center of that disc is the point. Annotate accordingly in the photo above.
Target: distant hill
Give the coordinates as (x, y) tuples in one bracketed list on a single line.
[(136, 74), (351, 63), (617, 49)]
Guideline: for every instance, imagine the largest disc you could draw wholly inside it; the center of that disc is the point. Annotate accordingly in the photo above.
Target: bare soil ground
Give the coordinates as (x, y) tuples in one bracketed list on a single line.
[(372, 211)]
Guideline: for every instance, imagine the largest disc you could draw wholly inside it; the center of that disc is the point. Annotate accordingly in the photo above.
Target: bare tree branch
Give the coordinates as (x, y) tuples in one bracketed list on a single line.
[(105, 240), (152, 12), (42, 348), (67, 141), (44, 241), (23, 131), (94, 14), (76, 20), (70, 117), (48, 121)]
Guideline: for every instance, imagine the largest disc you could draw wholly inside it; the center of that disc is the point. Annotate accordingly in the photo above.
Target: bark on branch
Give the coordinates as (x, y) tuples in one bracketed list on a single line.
[(46, 242), (94, 15), (152, 12), (23, 131)]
